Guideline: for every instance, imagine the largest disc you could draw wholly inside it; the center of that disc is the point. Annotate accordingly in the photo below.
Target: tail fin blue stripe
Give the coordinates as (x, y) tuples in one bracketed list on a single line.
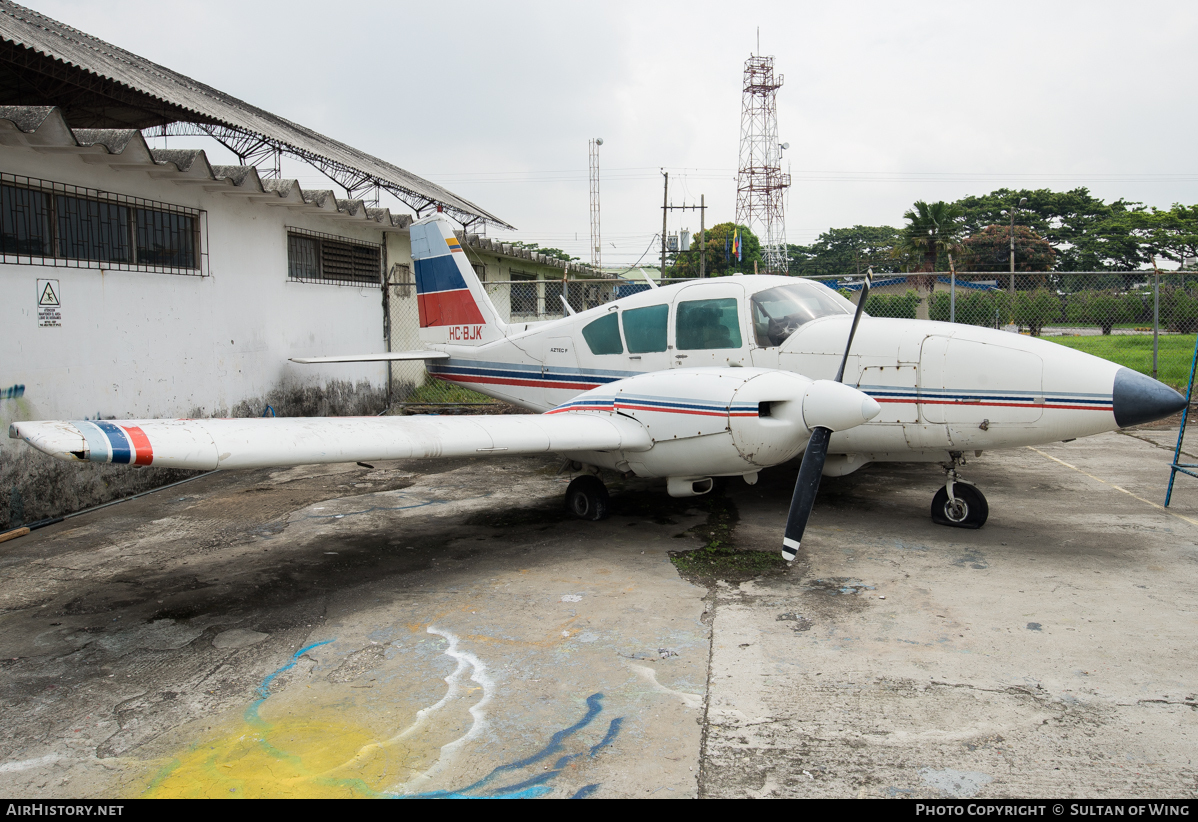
[(438, 274)]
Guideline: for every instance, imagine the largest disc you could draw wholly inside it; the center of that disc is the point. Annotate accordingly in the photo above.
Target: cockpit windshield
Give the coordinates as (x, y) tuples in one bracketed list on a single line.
[(778, 312)]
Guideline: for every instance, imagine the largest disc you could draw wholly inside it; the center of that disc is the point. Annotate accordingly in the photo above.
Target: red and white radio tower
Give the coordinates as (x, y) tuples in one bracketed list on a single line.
[(760, 183)]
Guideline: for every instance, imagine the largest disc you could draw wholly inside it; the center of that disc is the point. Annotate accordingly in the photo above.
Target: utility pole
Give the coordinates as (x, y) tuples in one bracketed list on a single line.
[(665, 210), (702, 209), (596, 243), (1011, 236), (1156, 312)]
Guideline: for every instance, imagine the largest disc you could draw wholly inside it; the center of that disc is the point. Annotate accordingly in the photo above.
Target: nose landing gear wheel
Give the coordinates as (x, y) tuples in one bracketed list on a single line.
[(587, 498), (968, 509)]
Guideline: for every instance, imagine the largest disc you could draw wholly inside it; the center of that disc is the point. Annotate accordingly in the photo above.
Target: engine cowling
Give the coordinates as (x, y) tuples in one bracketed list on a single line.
[(707, 422)]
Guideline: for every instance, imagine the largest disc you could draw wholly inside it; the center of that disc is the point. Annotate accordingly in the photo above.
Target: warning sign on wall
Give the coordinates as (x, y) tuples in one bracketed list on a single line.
[(49, 304)]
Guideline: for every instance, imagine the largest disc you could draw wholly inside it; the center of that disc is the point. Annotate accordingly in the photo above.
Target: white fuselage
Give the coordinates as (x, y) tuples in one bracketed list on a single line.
[(943, 387)]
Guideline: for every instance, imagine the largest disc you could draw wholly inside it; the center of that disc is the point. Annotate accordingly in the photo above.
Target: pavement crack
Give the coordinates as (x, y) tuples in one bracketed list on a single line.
[(701, 778), (1155, 444)]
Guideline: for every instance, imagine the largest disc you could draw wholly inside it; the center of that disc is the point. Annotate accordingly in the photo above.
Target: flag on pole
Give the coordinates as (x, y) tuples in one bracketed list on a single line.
[(736, 243)]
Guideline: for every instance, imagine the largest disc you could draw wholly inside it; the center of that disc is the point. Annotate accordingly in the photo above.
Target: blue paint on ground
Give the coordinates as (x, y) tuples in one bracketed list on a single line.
[(263, 690), (524, 789), (536, 785)]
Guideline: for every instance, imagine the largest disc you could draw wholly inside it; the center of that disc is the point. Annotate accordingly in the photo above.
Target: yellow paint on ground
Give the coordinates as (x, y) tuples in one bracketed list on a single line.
[(320, 755), (316, 742)]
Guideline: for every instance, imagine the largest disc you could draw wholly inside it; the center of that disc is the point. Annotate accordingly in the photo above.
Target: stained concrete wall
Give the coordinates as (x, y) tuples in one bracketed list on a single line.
[(137, 344)]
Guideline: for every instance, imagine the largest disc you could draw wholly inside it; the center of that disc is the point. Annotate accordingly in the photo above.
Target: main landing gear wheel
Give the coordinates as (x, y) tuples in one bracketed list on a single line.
[(967, 509), (587, 498)]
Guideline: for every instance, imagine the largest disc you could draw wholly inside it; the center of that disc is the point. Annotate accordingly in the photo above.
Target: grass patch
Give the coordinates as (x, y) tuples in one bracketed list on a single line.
[(437, 392), (719, 557), (1174, 353)]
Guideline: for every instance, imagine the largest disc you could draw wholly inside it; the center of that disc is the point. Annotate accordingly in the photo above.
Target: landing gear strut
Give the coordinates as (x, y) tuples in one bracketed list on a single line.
[(587, 498), (959, 504)]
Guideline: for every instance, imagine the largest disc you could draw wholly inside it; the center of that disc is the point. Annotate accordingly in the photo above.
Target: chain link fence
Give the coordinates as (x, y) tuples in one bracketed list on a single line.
[(1138, 319)]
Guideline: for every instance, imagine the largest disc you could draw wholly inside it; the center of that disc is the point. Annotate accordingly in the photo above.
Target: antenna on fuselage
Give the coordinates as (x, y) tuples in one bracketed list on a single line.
[(648, 279)]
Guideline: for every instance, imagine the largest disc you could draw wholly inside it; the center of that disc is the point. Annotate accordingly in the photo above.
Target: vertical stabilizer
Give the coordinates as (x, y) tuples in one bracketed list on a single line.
[(453, 306)]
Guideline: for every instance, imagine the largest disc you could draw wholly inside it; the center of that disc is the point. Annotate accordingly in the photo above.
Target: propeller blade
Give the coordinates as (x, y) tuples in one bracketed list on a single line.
[(812, 467), (869, 277), (806, 487)]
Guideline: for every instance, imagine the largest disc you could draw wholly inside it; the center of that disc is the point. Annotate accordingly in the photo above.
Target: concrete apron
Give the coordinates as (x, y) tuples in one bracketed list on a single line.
[(1048, 654), (252, 638), (445, 629)]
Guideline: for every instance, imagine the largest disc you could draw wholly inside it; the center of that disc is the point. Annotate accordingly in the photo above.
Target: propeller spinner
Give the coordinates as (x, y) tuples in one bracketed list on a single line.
[(812, 467)]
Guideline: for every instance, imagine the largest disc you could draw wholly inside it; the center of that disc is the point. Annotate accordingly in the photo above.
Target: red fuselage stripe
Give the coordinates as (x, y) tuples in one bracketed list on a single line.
[(997, 404)]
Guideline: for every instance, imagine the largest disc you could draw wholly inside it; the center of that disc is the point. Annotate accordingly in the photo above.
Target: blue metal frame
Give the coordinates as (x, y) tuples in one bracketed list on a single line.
[(1180, 466)]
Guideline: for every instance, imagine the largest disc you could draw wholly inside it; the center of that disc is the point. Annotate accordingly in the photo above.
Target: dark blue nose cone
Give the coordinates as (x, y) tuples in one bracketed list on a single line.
[(1138, 398)]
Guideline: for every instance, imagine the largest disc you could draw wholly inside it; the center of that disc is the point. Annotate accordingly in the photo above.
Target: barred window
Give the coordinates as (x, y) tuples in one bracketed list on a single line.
[(24, 222), (165, 238), (303, 257), (325, 258), (92, 230), (45, 223)]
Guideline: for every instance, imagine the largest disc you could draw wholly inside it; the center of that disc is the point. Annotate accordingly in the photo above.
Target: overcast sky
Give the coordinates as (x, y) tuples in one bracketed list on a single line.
[(884, 103)]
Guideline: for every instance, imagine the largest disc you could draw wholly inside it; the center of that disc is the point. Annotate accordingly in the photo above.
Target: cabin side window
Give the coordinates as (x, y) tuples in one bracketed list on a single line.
[(603, 335), (706, 324), (645, 328), (778, 312)]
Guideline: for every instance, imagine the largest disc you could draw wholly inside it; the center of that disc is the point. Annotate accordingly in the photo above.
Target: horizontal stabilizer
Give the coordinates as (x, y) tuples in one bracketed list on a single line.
[(388, 356), (280, 441)]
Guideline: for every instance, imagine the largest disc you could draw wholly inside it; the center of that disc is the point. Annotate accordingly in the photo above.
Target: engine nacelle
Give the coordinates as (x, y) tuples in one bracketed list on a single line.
[(707, 422)]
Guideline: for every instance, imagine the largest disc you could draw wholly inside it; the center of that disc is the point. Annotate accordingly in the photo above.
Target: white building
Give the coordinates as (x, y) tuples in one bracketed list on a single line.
[(139, 282), (136, 285)]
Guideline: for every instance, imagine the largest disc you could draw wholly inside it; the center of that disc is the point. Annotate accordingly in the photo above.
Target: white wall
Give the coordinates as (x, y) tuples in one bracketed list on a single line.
[(142, 344), (139, 344)]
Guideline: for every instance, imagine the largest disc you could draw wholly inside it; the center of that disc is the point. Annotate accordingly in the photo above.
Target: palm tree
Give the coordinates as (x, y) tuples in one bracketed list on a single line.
[(931, 229)]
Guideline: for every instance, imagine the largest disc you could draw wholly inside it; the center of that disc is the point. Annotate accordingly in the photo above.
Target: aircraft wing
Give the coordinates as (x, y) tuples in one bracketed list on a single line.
[(385, 357), (281, 441)]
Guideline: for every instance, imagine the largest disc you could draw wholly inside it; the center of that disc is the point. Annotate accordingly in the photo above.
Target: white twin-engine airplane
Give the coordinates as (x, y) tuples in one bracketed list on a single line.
[(713, 378)]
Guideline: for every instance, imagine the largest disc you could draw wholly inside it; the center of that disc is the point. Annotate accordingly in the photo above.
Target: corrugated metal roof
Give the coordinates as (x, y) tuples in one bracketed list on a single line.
[(171, 97), (43, 127), (515, 252)]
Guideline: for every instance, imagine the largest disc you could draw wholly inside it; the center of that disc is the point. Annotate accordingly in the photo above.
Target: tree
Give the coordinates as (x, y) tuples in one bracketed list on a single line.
[(847, 252), (985, 308), (1179, 311), (686, 263), (1173, 234), (1035, 309), (1102, 308), (902, 306), (990, 250), (1086, 233), (931, 230)]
